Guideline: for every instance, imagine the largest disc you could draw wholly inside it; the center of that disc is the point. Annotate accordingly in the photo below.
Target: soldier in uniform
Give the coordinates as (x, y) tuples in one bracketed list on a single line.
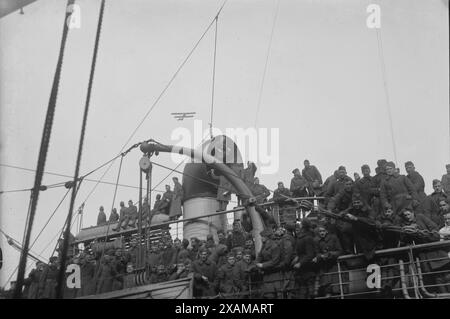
[(268, 261), (145, 212), (47, 284), (343, 199), (113, 217), (175, 205), (361, 230), (87, 268), (106, 274), (287, 213), (339, 184), (237, 237), (446, 180), (328, 249), (169, 255), (299, 185), (194, 251), (182, 271), (205, 275), (417, 180), (365, 184), (123, 214), (34, 278), (101, 218), (380, 176), (228, 277), (304, 268), (160, 275), (166, 201), (287, 245), (311, 173), (183, 253), (398, 191)]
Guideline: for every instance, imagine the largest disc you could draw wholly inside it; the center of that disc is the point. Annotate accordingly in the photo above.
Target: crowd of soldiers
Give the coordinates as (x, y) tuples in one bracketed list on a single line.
[(299, 251), (169, 204)]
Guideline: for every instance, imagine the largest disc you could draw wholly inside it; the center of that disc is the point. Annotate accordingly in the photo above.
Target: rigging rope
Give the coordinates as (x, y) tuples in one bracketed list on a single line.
[(60, 286), (213, 80), (174, 76), (266, 62), (45, 141), (386, 91)]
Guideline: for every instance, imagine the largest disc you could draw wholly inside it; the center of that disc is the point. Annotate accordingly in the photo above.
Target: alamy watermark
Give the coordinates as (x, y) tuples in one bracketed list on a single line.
[(258, 145)]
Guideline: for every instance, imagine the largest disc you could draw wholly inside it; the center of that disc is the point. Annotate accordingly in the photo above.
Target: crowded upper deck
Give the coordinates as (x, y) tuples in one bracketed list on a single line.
[(317, 234)]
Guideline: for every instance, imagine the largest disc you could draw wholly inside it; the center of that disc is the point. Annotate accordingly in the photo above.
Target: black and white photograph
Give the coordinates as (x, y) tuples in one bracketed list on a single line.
[(231, 156)]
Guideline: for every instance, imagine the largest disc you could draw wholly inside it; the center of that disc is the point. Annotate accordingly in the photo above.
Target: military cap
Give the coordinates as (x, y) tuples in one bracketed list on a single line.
[(248, 252), (230, 254), (342, 168), (209, 237), (381, 162), (365, 166), (296, 171), (53, 259), (435, 181), (447, 166), (280, 183), (390, 164), (356, 196), (267, 232)]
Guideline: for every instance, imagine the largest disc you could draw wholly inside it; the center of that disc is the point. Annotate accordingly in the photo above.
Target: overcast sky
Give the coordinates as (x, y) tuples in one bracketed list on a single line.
[(323, 90)]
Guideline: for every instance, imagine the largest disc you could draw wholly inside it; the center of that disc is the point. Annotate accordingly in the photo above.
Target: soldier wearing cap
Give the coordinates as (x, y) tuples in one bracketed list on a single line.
[(205, 275), (228, 277), (304, 268), (360, 230), (87, 268), (417, 180), (166, 201), (123, 216), (398, 191), (194, 250), (248, 275), (380, 176), (47, 283), (339, 184), (160, 275), (364, 185), (446, 180), (286, 244), (175, 205), (113, 217), (34, 277), (299, 184), (430, 206), (237, 236), (145, 212), (101, 218), (328, 249), (281, 193), (259, 191), (343, 199), (311, 173), (183, 252), (106, 273), (268, 261)]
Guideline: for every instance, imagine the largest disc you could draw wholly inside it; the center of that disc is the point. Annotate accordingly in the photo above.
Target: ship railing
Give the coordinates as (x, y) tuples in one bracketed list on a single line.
[(408, 272)]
